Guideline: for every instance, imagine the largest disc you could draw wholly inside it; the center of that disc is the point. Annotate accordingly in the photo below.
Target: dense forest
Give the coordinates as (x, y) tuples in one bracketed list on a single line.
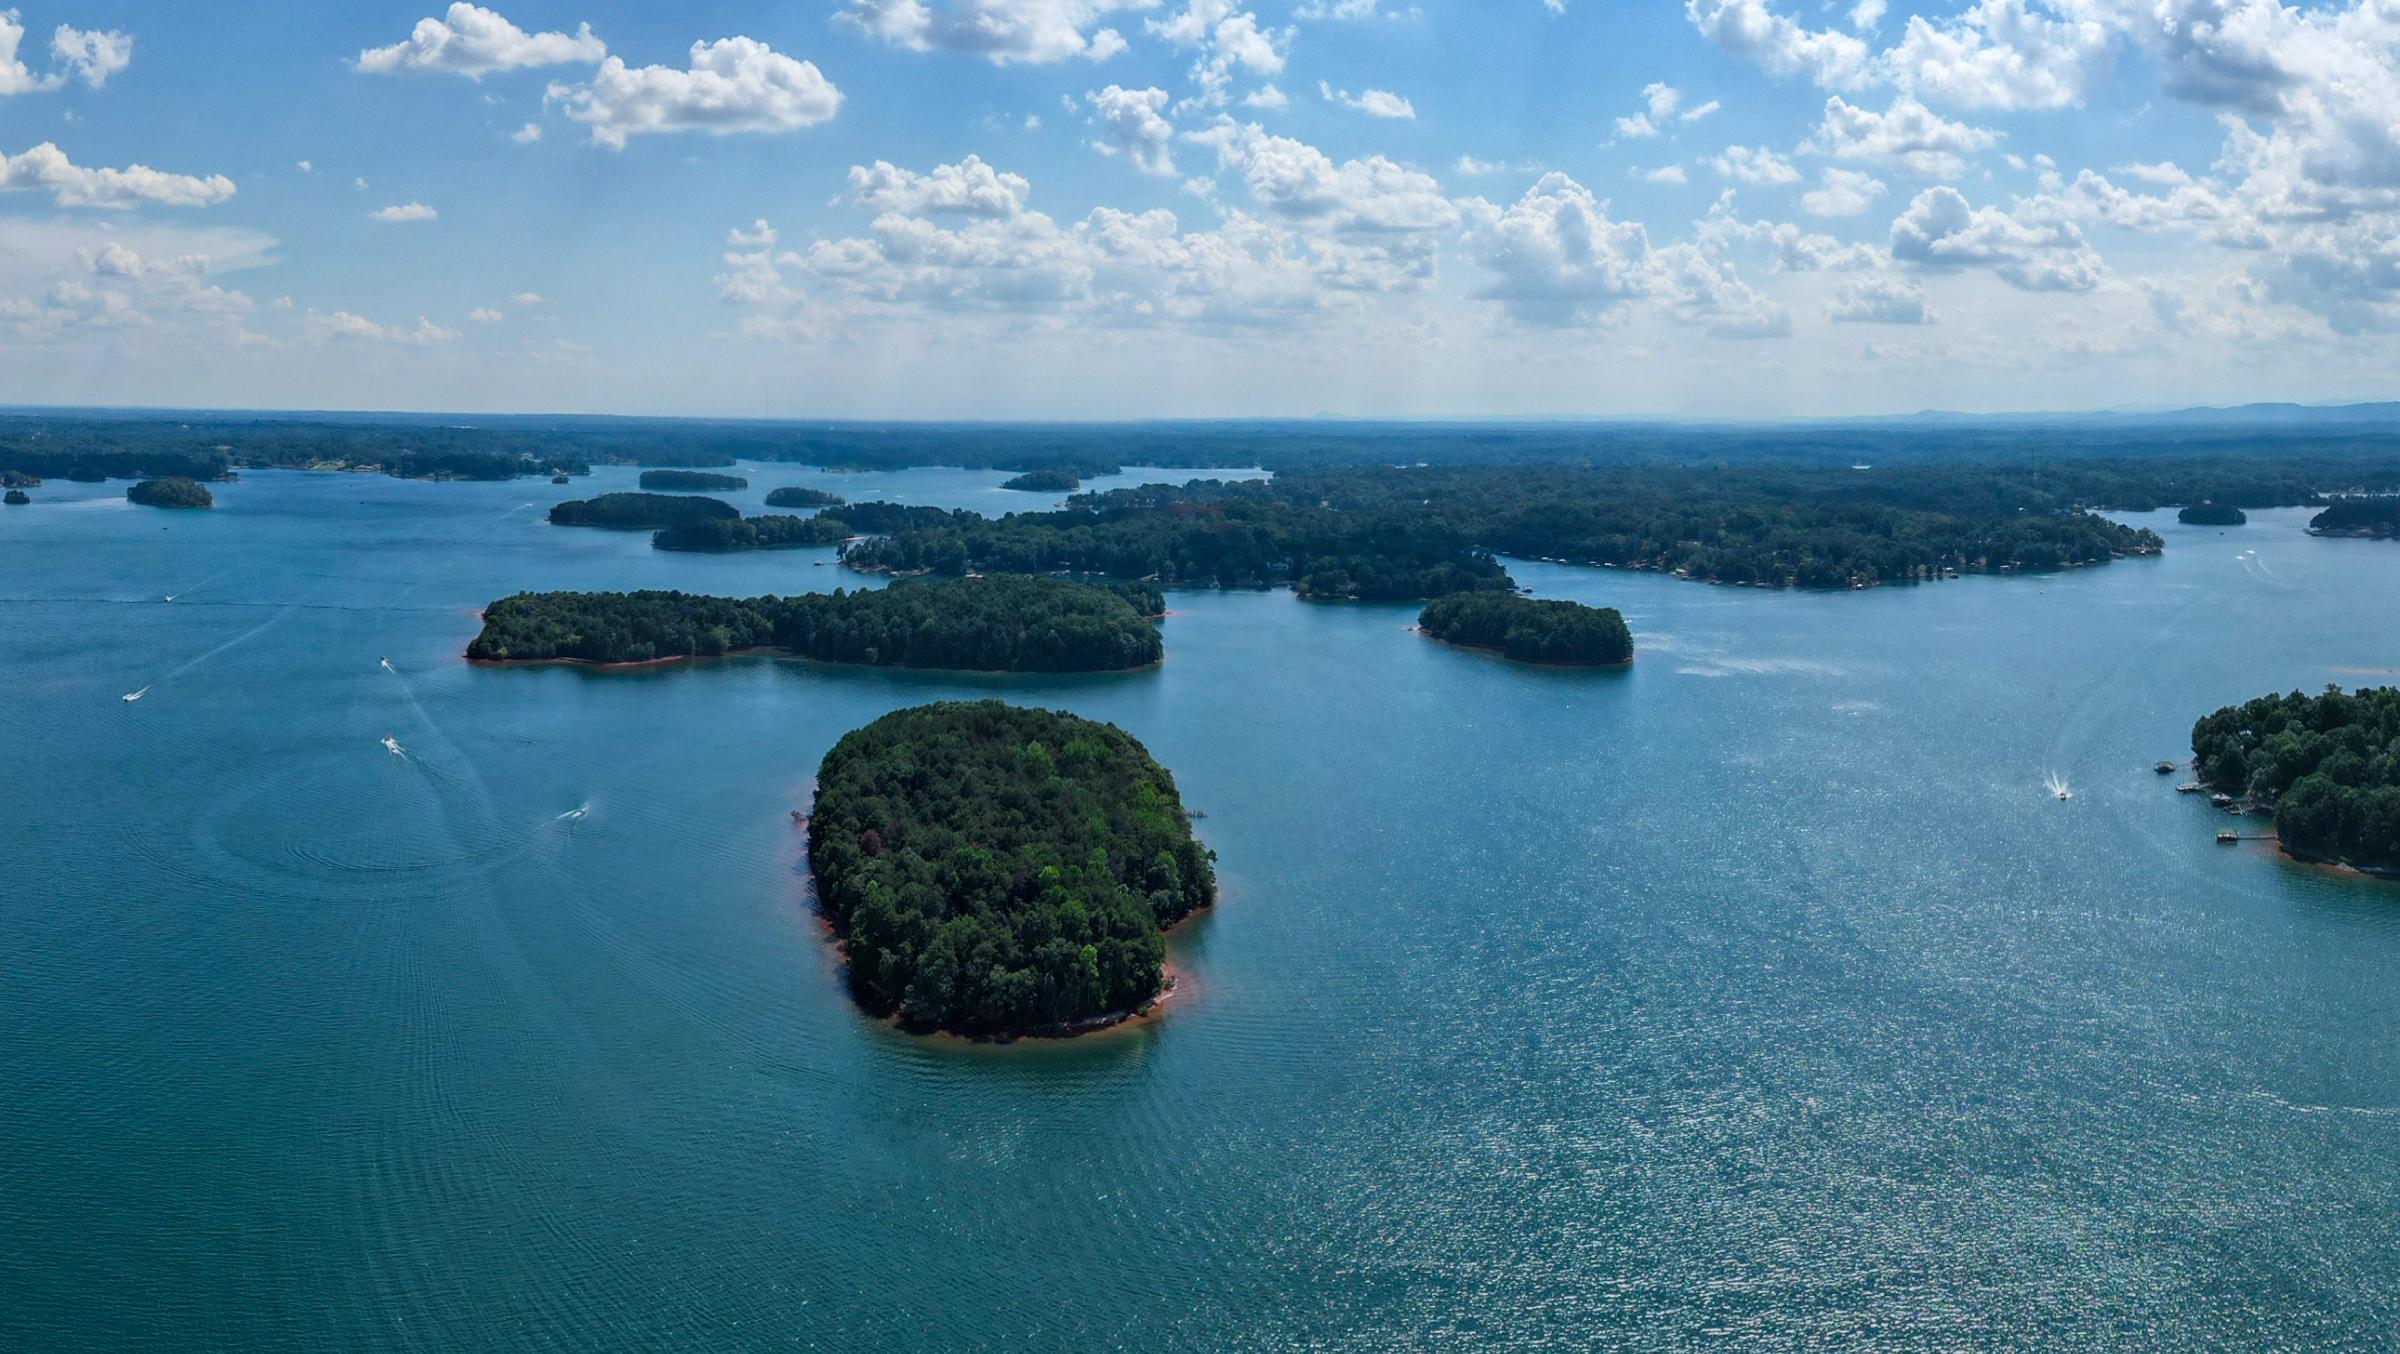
[(999, 870), (2212, 515), (16, 498), (2377, 517), (1528, 630), (1045, 482), (644, 512), (978, 625), (171, 492), (691, 481), (1251, 543), (793, 497), (2328, 765), (727, 535)]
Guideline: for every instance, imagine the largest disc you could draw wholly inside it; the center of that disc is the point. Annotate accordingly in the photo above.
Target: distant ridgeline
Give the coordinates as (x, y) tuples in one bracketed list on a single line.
[(2328, 765), (997, 870), (689, 481), (2212, 515), (1530, 631), (172, 492), (645, 512), (2375, 517), (979, 625)]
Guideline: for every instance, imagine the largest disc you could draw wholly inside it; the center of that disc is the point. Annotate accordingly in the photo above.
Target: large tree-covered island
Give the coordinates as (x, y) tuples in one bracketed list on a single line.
[(974, 625), (994, 870), (640, 512), (1530, 631), (1045, 482), (731, 535), (174, 491), (2328, 766), (2377, 518), (2212, 515)]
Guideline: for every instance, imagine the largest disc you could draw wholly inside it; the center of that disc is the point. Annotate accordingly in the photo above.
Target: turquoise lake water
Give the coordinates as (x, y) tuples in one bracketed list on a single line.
[(1757, 994)]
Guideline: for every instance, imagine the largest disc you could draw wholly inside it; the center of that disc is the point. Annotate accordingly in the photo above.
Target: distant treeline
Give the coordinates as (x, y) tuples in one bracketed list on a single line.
[(994, 869), (687, 481), (982, 625), (2359, 517), (2328, 765), (1381, 533), (646, 512), (1528, 630)]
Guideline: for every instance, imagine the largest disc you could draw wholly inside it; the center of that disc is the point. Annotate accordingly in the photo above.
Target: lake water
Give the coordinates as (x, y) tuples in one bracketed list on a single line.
[(1758, 993)]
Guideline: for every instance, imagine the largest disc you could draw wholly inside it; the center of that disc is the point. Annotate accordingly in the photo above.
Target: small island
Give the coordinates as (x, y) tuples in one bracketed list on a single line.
[(998, 871), (1045, 482), (2212, 515), (2373, 518), (2327, 766), (692, 481), (795, 497), (720, 536), (16, 498), (976, 625), (1530, 631), (640, 512), (172, 492)]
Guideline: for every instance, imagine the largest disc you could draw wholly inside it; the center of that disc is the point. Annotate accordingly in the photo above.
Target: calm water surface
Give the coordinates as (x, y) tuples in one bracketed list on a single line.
[(1755, 994)]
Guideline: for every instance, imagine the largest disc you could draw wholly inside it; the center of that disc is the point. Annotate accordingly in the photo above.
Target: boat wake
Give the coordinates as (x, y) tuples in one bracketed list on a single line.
[(392, 746), (2056, 784), (132, 696), (574, 815)]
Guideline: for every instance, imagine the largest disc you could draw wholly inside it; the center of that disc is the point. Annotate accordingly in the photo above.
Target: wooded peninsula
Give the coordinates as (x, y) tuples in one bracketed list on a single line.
[(2378, 518), (1530, 631), (2328, 766), (979, 625), (995, 870)]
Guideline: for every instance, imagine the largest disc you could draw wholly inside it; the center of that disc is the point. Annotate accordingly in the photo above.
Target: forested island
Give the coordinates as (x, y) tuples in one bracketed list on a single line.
[(793, 497), (727, 535), (2212, 515), (641, 512), (1045, 482), (172, 492), (995, 870), (1530, 631), (975, 625), (2377, 518), (2327, 765), (691, 481), (16, 498)]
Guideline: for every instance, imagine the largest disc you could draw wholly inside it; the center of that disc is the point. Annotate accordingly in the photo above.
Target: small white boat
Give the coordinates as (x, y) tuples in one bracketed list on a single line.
[(132, 696), (392, 746), (2057, 786)]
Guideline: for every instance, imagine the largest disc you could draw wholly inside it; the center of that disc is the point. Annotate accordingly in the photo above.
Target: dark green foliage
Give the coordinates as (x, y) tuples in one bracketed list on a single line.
[(1239, 542), (171, 492), (2329, 766), (753, 533), (1782, 528), (1528, 630), (996, 869), (691, 481), (802, 498), (1045, 482), (983, 624), (2376, 517), (16, 498), (17, 479), (2212, 515), (644, 512), (878, 518)]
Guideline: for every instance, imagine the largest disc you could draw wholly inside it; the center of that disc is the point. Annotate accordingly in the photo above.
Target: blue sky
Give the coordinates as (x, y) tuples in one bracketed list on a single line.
[(1103, 208)]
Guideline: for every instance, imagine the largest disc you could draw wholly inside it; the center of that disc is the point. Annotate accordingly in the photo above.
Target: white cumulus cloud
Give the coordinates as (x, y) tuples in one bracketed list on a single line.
[(473, 41), (733, 85), (46, 168)]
